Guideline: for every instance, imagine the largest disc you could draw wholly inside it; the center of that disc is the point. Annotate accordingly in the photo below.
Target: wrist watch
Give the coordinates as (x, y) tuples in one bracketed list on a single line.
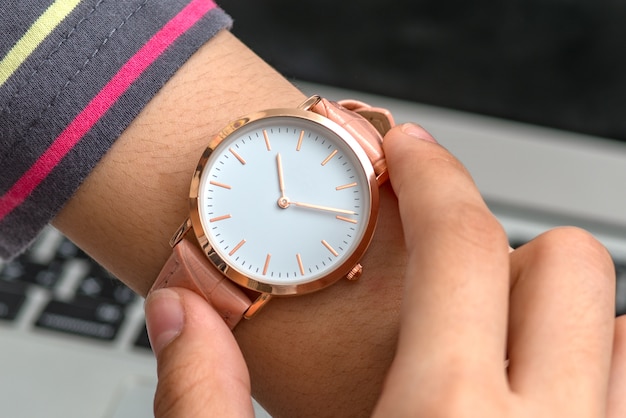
[(283, 202)]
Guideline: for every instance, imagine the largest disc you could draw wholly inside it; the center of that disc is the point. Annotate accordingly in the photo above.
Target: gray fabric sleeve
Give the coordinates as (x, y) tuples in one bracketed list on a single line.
[(73, 75)]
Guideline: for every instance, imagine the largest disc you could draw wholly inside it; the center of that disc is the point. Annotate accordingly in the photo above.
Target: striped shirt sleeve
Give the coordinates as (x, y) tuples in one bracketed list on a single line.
[(73, 75)]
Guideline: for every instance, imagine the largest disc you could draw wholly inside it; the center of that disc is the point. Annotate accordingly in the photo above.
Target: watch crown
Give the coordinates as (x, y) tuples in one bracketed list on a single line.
[(355, 273)]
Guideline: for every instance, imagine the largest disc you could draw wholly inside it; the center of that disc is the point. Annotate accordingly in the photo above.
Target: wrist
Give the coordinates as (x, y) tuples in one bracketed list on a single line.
[(136, 196)]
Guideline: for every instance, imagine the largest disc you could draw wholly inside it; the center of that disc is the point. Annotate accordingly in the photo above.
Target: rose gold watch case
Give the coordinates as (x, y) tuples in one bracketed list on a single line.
[(233, 273)]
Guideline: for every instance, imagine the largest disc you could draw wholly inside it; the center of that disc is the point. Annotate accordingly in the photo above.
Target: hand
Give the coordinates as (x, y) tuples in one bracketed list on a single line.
[(200, 369), (469, 304), (547, 306)]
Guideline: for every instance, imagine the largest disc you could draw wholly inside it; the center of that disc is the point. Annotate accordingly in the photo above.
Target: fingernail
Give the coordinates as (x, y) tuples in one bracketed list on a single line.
[(165, 317), (417, 132)]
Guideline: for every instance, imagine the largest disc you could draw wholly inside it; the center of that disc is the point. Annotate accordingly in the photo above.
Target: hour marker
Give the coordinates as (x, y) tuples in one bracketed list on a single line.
[(345, 186), (218, 184), (237, 156), (300, 264), (267, 140), (343, 218), (332, 154), (267, 263), (238, 246), (300, 141), (331, 249), (219, 218)]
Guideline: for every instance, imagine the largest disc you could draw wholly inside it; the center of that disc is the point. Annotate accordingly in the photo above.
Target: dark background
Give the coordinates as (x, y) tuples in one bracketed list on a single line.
[(557, 63)]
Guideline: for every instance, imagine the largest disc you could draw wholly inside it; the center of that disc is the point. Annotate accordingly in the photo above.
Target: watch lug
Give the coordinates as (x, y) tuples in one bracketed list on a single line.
[(382, 177), (180, 232), (257, 305), (310, 102)]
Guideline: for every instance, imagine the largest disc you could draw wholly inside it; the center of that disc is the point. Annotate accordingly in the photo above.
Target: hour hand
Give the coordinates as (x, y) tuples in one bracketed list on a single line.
[(281, 179)]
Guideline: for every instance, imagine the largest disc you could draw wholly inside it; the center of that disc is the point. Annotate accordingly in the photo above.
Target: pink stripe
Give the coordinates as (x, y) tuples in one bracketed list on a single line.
[(100, 104)]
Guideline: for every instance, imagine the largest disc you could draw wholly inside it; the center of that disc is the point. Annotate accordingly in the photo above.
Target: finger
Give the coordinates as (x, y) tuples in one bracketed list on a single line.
[(617, 382), (455, 304), (561, 321), (201, 371)]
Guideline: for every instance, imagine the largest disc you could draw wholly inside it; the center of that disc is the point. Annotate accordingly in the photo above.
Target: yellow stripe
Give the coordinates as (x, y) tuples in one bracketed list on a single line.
[(42, 27)]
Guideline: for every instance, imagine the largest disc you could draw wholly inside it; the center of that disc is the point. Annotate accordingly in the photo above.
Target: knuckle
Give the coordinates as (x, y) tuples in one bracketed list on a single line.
[(578, 246), (574, 256), (464, 399), (175, 386), (436, 166), (168, 395), (446, 162)]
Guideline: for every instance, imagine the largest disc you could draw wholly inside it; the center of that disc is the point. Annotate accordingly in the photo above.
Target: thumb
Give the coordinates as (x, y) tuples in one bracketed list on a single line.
[(200, 368)]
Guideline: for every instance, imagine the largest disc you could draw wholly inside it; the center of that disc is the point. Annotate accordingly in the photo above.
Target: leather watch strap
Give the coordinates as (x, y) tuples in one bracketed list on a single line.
[(189, 268)]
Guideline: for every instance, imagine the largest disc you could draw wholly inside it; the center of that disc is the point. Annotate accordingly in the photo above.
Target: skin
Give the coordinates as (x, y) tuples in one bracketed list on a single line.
[(335, 347), (547, 306)]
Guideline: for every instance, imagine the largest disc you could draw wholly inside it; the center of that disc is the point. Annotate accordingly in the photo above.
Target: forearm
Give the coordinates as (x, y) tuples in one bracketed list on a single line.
[(126, 210), (331, 348)]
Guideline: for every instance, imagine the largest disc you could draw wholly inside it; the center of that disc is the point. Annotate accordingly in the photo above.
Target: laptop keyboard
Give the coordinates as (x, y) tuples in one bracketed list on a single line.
[(55, 287)]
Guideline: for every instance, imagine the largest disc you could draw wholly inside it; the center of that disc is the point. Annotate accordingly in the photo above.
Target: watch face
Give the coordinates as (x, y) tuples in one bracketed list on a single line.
[(286, 202)]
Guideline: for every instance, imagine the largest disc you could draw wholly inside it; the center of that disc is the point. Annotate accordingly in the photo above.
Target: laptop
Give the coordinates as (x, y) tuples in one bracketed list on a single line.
[(72, 338)]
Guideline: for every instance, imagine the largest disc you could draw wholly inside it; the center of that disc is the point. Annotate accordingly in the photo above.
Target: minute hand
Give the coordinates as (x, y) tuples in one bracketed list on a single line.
[(326, 208)]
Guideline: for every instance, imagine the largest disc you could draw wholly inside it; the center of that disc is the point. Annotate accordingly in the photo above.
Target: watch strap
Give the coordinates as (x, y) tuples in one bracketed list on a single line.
[(187, 267)]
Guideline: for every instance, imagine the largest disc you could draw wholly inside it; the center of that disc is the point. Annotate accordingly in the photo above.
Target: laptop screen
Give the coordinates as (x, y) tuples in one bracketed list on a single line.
[(553, 63)]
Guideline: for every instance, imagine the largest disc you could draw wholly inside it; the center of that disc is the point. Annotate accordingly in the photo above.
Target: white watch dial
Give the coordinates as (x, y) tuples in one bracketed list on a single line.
[(284, 200)]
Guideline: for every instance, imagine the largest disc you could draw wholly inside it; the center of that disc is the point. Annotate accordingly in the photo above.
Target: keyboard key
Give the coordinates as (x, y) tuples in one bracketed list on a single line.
[(12, 271), (67, 250), (100, 284), (12, 297), (142, 339), (88, 318), (26, 271)]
